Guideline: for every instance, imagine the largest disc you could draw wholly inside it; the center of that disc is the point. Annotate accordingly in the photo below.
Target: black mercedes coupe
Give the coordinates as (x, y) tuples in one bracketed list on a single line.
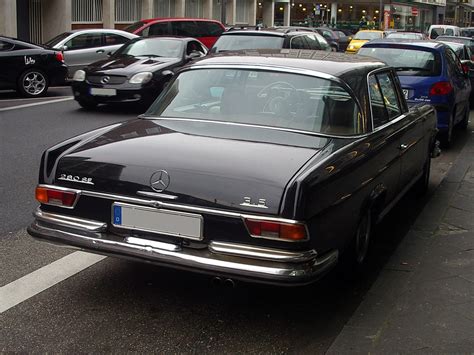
[(260, 166), (136, 72), (30, 68)]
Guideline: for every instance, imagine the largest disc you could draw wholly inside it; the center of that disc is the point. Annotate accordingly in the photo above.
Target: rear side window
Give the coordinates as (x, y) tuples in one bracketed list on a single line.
[(383, 99), (112, 39), (436, 32), (210, 29), (5, 46), (449, 32), (185, 29), (157, 29), (407, 61), (87, 40), (299, 42), (454, 65)]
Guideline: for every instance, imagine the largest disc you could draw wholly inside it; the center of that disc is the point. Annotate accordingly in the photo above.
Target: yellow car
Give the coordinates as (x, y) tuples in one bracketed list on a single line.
[(362, 37)]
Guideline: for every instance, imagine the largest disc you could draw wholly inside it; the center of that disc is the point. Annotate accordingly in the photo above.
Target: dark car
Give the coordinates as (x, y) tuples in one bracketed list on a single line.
[(205, 30), (265, 167), (467, 31), (275, 38), (468, 41), (429, 72), (336, 39), (137, 71), (29, 68)]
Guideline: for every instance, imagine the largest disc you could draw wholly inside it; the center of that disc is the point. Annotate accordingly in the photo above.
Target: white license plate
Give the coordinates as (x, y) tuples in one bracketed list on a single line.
[(148, 219), (103, 92), (405, 93)]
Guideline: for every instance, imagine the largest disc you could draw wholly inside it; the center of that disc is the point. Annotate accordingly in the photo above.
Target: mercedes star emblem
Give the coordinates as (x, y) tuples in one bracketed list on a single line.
[(105, 79), (160, 180)]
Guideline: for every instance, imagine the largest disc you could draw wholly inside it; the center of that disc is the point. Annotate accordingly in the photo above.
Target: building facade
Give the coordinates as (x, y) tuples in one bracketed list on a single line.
[(40, 20)]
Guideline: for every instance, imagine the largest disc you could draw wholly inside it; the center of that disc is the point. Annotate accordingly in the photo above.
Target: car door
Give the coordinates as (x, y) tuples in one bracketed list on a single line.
[(10, 64), (460, 82), (82, 50)]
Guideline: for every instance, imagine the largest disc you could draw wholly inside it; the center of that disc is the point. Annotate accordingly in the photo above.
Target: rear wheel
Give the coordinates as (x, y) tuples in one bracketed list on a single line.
[(87, 104), (447, 136), (362, 238), (421, 186), (33, 83), (465, 121)]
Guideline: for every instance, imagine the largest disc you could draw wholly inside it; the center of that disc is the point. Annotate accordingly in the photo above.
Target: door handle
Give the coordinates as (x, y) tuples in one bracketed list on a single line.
[(100, 51), (403, 146)]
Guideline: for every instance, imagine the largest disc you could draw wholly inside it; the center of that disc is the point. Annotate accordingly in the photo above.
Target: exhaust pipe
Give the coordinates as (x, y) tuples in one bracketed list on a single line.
[(229, 283), (217, 281)]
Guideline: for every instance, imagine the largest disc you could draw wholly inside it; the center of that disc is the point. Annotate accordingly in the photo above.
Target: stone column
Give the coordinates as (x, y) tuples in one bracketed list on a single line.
[(286, 14), (334, 13), (252, 12), (230, 12), (268, 13), (147, 9), (207, 9), (180, 8), (57, 17), (8, 21), (108, 13)]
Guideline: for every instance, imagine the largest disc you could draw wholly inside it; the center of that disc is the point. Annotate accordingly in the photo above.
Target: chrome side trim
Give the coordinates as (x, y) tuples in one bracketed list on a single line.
[(250, 251), (70, 222), (156, 195)]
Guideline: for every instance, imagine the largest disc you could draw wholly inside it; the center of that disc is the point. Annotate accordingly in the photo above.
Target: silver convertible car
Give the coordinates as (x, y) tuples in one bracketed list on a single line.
[(267, 167), (83, 47)]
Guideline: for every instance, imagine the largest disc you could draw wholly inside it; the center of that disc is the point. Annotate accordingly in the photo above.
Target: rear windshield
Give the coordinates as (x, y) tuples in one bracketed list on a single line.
[(436, 32), (405, 35), (238, 42), (467, 32), (266, 98), (134, 26), (417, 62), (368, 35), (52, 42)]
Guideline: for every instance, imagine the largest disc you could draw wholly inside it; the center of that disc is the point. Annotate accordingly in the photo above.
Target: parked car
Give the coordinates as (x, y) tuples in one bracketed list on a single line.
[(263, 167), (136, 72), (362, 37), (429, 72), (206, 31), (467, 31), (443, 30), (406, 35), (83, 47), (29, 68), (276, 38), (465, 55), (468, 41), (337, 40)]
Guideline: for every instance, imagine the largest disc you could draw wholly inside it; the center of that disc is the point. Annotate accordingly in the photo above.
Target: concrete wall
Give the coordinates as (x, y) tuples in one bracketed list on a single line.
[(57, 17), (8, 18)]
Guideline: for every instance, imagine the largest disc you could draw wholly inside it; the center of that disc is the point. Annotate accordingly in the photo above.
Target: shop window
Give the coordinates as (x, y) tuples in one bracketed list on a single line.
[(84, 11), (128, 10)]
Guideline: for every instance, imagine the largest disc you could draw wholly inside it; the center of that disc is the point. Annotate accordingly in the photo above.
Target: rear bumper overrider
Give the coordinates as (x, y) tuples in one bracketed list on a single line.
[(239, 261)]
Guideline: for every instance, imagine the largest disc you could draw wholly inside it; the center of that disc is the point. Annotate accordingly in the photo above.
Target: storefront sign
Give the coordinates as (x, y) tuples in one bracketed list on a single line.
[(414, 11), (386, 19)]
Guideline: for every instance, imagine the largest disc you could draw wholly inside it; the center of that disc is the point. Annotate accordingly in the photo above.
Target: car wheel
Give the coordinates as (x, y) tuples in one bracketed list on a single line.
[(421, 186), (33, 83), (87, 104), (362, 238), (447, 136), (465, 121), (333, 49)]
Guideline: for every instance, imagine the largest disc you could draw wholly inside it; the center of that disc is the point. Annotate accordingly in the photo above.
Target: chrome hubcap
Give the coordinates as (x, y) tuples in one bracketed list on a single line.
[(362, 239), (34, 83)]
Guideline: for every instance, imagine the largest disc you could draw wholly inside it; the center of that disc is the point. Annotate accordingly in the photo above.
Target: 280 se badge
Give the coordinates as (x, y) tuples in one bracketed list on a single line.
[(265, 167)]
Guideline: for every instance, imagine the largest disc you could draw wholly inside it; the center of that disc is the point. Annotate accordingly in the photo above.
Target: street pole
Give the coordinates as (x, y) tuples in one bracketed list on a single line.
[(223, 11), (381, 15)]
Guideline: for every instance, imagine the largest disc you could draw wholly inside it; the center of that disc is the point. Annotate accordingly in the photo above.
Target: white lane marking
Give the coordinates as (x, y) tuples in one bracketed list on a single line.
[(37, 104), (30, 285)]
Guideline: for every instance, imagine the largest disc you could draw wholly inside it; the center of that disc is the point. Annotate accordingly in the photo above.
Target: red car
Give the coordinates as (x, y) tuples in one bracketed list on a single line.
[(207, 31)]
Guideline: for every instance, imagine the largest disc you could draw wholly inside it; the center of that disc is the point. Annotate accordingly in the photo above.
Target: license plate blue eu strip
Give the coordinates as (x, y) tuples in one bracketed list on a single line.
[(117, 215)]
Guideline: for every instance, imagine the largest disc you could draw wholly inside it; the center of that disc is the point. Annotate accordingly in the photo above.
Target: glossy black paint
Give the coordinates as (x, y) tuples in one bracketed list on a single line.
[(328, 182), (18, 56), (121, 68)]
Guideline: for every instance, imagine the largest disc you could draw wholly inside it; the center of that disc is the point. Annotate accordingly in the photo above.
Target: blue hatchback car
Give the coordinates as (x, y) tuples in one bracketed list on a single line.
[(429, 72)]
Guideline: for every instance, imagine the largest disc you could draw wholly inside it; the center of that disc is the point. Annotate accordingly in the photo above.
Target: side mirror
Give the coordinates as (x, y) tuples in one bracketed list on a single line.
[(193, 54), (109, 54), (64, 48), (168, 73)]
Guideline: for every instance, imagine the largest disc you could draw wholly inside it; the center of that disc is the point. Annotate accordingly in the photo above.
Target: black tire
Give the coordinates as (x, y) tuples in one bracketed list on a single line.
[(33, 83), (421, 186), (446, 137), (356, 254), (87, 104), (465, 121)]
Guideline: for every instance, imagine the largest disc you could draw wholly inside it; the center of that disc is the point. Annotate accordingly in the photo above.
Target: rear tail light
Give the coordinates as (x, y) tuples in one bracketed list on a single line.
[(59, 56), (276, 230), (56, 197), (441, 88)]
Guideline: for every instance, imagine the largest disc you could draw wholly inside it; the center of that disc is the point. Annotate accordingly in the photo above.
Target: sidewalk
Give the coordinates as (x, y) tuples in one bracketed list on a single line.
[(423, 299)]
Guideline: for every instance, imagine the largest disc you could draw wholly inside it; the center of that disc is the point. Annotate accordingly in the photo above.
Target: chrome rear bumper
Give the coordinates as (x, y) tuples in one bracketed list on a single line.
[(251, 263)]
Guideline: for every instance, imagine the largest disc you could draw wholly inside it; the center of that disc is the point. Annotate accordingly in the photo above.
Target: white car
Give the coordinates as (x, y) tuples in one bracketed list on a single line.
[(443, 30), (83, 47)]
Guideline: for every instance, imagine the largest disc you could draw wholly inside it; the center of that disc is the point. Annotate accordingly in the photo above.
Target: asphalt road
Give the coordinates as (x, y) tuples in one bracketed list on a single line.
[(116, 305)]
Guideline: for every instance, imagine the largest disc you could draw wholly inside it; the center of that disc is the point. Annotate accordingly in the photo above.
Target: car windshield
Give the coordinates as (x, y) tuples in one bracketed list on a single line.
[(238, 42), (405, 35), (265, 98), (152, 47), (417, 62), (368, 35), (52, 42), (134, 26)]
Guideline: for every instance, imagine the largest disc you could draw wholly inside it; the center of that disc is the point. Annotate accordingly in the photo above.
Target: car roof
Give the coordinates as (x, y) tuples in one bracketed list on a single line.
[(104, 30), (406, 42), (20, 41), (378, 31), (158, 19), (456, 37), (277, 32), (331, 63)]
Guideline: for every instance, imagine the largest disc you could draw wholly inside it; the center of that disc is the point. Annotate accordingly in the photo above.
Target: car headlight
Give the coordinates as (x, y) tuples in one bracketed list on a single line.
[(79, 75), (351, 47), (141, 78)]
